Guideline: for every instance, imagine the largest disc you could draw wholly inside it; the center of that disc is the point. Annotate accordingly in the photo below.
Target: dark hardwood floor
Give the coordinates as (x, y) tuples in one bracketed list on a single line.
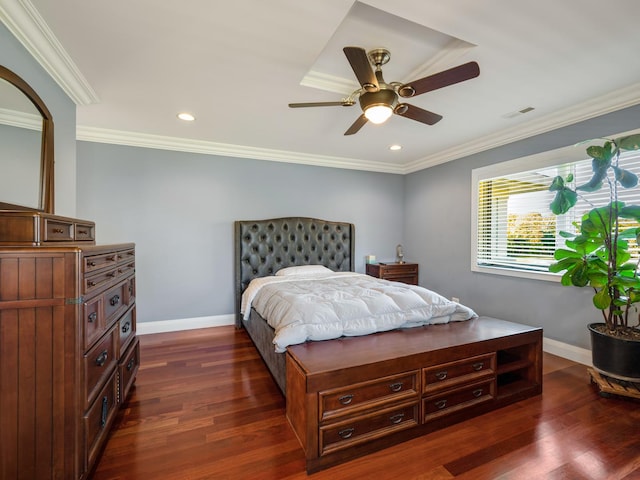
[(205, 407)]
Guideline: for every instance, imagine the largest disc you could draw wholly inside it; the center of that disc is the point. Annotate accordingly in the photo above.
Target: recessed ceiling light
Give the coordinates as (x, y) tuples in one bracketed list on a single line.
[(187, 117), (395, 147)]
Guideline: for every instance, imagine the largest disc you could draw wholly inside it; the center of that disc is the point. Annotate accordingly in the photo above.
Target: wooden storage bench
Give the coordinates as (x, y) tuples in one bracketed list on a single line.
[(355, 395)]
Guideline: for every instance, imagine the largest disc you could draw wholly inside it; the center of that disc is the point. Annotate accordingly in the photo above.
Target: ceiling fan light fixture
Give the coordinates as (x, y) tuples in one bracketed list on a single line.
[(378, 113)]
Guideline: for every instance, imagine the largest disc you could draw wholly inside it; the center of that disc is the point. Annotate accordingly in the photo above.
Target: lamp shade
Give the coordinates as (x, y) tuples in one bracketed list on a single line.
[(378, 113)]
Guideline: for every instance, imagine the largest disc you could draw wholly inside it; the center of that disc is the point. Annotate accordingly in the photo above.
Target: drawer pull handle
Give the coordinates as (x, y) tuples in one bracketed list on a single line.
[(112, 274), (102, 358), (441, 403), (131, 254), (83, 232), (92, 263), (114, 300), (346, 399), (57, 230), (396, 419), (131, 364), (105, 410), (441, 375), (478, 366), (346, 433), (111, 259), (396, 387), (91, 283), (126, 327), (477, 393), (92, 317)]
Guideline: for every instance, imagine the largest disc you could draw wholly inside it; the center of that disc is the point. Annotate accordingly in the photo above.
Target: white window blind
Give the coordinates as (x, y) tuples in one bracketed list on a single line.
[(514, 227)]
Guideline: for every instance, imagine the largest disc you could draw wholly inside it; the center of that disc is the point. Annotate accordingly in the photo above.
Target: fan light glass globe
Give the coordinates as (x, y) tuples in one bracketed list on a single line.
[(378, 113)]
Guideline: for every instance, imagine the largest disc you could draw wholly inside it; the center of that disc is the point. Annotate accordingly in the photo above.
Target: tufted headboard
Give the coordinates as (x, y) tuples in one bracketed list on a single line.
[(262, 247)]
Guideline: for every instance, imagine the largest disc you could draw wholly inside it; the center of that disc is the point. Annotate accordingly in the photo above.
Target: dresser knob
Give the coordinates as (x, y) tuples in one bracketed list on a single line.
[(441, 375), (102, 358), (345, 399), (395, 419), (396, 387), (441, 404), (346, 433), (92, 317), (478, 366)]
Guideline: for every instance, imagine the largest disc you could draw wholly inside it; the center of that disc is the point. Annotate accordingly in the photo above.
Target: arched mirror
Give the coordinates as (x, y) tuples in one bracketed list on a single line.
[(26, 147)]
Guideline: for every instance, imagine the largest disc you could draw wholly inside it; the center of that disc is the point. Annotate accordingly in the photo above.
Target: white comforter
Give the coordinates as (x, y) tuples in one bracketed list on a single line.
[(327, 306)]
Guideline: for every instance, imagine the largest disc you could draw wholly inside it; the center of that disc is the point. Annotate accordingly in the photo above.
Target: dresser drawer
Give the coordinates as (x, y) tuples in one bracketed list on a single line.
[(367, 395), (448, 375), (453, 400), (128, 369), (93, 323), (365, 428), (99, 363), (130, 291), (114, 302), (57, 230), (98, 419), (93, 263), (84, 232), (126, 329)]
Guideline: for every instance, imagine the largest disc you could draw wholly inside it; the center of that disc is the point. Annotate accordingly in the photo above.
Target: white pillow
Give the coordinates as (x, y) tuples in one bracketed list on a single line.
[(303, 270)]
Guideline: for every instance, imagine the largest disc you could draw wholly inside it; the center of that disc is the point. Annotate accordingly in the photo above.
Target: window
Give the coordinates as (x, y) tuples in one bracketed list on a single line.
[(514, 231)]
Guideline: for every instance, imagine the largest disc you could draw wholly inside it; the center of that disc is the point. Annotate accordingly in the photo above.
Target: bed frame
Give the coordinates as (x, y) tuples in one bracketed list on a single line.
[(355, 395), (262, 247)]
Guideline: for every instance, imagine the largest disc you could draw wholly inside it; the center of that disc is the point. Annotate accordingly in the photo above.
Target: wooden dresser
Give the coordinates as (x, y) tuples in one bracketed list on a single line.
[(68, 348), (357, 395), (396, 272)]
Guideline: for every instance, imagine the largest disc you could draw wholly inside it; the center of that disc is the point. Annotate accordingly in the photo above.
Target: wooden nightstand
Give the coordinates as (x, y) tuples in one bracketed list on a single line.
[(396, 272)]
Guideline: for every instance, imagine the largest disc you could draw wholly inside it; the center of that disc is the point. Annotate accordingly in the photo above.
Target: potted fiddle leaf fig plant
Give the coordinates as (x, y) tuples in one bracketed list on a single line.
[(599, 256)]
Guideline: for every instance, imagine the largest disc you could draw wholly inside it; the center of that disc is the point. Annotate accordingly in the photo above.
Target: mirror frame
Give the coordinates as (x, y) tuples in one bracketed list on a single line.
[(46, 203)]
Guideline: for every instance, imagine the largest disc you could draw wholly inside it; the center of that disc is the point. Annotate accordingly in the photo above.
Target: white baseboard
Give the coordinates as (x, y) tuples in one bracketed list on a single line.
[(564, 350), (144, 328)]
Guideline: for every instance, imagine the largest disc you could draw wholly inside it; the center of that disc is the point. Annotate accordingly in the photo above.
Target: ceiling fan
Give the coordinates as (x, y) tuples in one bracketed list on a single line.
[(379, 100)]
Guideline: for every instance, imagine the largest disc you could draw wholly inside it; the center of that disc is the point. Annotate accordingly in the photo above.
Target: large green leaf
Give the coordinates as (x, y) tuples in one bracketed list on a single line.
[(565, 264), (564, 200), (626, 178), (630, 211), (632, 142), (602, 299), (599, 174), (580, 276), (561, 253)]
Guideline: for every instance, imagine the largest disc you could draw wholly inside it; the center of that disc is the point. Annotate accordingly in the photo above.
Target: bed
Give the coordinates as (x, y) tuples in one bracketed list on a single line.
[(353, 395), (262, 247)]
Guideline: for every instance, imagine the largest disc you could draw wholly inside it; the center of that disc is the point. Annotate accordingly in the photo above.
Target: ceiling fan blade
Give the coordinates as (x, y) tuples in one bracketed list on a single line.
[(342, 103), (454, 75), (362, 68), (417, 113), (357, 125)]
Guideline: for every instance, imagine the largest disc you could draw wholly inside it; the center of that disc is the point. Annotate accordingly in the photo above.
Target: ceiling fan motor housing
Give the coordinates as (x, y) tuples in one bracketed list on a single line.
[(381, 97)]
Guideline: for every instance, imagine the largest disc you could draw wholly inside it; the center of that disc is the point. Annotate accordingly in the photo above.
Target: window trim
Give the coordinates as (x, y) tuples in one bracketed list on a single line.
[(550, 158)]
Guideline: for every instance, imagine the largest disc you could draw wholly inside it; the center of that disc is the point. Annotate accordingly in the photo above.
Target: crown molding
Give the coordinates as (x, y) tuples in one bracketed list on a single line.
[(26, 120), (133, 139), (608, 103), (617, 100), (27, 25)]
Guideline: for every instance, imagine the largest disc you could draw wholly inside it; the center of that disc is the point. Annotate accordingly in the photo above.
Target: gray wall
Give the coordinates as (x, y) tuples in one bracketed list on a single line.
[(438, 235), (14, 57), (179, 208)]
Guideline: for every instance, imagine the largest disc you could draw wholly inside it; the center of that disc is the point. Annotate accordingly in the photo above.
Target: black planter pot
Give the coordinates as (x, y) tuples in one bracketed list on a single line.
[(615, 357)]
